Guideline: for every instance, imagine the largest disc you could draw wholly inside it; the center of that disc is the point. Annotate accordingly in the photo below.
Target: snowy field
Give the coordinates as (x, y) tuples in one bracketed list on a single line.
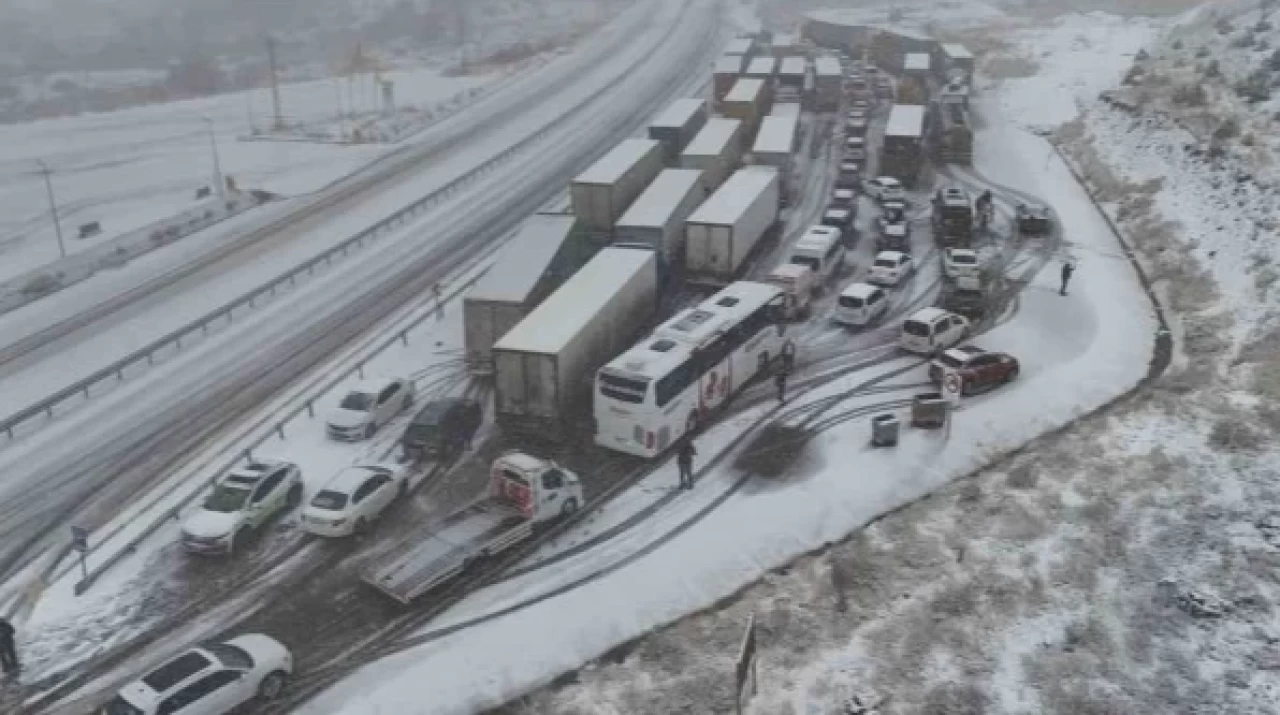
[(129, 168)]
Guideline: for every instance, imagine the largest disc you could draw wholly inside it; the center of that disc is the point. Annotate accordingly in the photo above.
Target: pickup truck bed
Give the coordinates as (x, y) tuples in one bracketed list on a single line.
[(444, 551)]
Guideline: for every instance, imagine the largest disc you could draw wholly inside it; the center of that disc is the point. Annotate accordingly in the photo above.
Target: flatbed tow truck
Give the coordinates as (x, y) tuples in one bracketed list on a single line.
[(524, 492)]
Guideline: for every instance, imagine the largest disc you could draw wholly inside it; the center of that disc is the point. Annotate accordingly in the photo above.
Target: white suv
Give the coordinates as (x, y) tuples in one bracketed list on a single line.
[(368, 406), (886, 188), (961, 262), (889, 268), (240, 502), (211, 679)]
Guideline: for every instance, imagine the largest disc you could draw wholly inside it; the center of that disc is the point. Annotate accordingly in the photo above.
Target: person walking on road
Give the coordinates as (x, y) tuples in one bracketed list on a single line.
[(780, 381), (684, 460), (8, 651), (1067, 270)]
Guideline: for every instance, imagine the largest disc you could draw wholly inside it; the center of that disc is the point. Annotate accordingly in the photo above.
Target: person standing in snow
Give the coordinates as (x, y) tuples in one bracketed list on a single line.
[(780, 381), (1067, 270), (8, 651), (684, 460)]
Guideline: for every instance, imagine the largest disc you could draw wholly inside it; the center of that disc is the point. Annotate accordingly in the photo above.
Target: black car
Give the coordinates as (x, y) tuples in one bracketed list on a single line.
[(1033, 219), (442, 428)]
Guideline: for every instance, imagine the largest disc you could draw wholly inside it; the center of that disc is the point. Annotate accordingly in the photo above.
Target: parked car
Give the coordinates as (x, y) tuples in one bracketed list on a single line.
[(368, 406), (842, 220), (843, 198), (890, 267), (857, 114), (886, 188), (856, 127), (961, 262), (353, 499), (894, 237), (930, 330), (1033, 219), (979, 370), (241, 502), (855, 149), (850, 176), (860, 304), (211, 679), (442, 428), (860, 104)]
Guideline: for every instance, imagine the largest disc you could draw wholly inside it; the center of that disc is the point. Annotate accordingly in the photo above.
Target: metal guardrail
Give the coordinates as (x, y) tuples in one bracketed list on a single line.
[(397, 220)]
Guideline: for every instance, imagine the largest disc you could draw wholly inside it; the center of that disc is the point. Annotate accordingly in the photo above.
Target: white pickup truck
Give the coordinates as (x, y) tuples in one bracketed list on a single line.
[(523, 491)]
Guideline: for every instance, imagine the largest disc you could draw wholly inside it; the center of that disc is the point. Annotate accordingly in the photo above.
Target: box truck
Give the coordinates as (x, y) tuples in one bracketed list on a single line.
[(721, 234), (605, 190), (677, 126), (656, 219), (716, 151)]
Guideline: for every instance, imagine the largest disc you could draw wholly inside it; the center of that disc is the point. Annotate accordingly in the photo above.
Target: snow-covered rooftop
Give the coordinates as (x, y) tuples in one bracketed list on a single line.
[(954, 51), (827, 67), (762, 67), (679, 112), (735, 196), (905, 120), (523, 262), (915, 62), (655, 206), (793, 66), (739, 46), (785, 109), (612, 166), (562, 316), (777, 135), (713, 137), (747, 89), (728, 64)]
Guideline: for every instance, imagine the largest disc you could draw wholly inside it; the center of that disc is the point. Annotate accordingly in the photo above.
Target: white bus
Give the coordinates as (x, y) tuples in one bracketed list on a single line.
[(650, 396)]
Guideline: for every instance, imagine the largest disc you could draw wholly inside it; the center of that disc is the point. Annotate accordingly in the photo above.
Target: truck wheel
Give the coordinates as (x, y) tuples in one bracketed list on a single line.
[(569, 507)]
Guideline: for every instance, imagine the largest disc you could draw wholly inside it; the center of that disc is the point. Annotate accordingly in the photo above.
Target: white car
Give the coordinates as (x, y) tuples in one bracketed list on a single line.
[(353, 500), (860, 304), (368, 406), (211, 679), (961, 262), (932, 330), (890, 267), (886, 188), (241, 502)]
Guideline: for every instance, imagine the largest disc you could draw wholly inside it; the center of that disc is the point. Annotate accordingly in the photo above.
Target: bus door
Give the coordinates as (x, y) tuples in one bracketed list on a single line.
[(716, 383)]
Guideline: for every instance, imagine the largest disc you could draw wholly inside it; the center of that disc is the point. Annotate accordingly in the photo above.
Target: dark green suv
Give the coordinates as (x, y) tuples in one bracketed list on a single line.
[(442, 428)]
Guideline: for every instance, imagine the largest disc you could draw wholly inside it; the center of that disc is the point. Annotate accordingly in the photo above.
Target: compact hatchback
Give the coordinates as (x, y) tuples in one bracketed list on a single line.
[(860, 304), (930, 330), (212, 679), (368, 406), (241, 502), (890, 267), (355, 498), (886, 188), (978, 369)]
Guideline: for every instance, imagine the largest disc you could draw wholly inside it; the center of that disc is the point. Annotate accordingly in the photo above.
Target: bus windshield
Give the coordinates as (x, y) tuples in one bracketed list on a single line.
[(809, 261)]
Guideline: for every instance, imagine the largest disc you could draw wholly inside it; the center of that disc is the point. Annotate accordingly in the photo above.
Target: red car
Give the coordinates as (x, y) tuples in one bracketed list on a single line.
[(979, 370)]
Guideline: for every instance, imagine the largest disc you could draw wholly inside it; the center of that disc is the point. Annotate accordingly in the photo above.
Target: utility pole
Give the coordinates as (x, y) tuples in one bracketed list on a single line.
[(53, 206), (278, 124), (219, 184)]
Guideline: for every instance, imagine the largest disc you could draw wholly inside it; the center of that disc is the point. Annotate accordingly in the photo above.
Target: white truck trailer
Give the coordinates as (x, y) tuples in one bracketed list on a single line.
[(605, 190), (543, 367), (524, 491), (716, 151), (721, 234), (677, 125), (764, 67), (776, 142), (786, 109), (656, 219), (791, 72), (726, 72), (828, 83), (748, 100)]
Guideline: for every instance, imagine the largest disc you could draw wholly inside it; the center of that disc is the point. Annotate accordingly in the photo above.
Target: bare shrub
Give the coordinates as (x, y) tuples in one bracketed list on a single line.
[(1022, 477), (1266, 379), (1263, 280), (955, 699), (1234, 434), (1190, 95), (1228, 129), (1223, 26)]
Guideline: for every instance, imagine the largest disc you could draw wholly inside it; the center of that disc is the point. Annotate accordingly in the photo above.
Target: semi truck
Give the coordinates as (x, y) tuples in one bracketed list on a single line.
[(728, 69), (954, 140), (716, 151), (791, 72), (606, 189), (721, 234), (902, 152), (524, 492), (656, 219), (828, 83), (546, 251), (677, 126), (747, 101), (544, 366)]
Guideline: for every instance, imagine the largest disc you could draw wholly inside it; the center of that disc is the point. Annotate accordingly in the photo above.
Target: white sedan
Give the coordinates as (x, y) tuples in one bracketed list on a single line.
[(354, 499), (886, 188), (368, 406), (241, 502), (211, 679), (890, 267)]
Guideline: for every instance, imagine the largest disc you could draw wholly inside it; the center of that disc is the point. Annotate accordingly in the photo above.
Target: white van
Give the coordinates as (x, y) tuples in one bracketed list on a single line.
[(821, 248), (860, 304), (931, 330), (798, 284)]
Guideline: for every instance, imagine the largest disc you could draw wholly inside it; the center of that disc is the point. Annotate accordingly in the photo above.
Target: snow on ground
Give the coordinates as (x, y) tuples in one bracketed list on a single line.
[(1078, 353), (1125, 564), (130, 168)]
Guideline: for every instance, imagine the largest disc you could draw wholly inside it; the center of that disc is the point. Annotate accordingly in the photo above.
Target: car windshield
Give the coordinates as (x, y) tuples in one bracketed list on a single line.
[(358, 401), (886, 263), (329, 499), (120, 706), (231, 656), (950, 361), (916, 328), (175, 671), (626, 389), (963, 258), (809, 261), (850, 301), (226, 499)]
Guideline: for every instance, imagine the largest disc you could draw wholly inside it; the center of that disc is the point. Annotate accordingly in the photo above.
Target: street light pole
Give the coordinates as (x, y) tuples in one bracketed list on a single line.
[(219, 185), (53, 206)]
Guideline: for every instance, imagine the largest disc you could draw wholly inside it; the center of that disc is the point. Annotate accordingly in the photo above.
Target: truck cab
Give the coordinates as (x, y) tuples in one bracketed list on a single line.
[(539, 488)]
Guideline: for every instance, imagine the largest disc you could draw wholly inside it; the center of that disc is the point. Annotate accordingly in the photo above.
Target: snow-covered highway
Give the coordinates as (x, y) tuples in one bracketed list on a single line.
[(81, 467)]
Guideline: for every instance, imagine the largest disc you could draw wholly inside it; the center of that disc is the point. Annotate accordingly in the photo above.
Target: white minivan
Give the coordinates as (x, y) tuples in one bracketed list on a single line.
[(931, 330), (860, 304), (890, 268), (821, 248)]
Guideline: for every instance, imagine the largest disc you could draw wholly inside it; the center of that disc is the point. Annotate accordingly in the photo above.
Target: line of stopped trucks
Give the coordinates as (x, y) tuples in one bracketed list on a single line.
[(655, 216)]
